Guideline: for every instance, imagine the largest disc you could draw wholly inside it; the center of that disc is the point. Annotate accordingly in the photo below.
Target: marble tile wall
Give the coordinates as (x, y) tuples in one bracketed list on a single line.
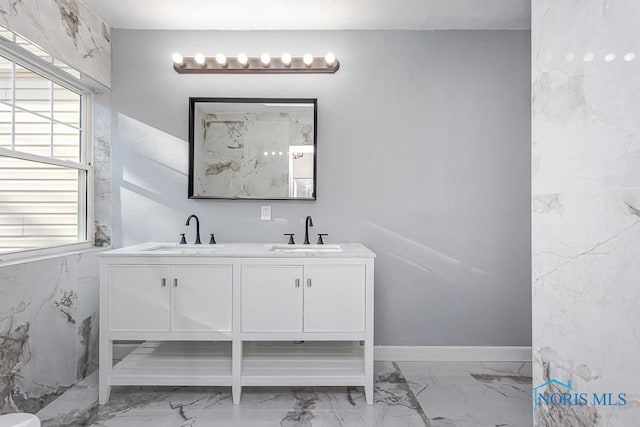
[(48, 328), (586, 205), (102, 168), (49, 308), (67, 29)]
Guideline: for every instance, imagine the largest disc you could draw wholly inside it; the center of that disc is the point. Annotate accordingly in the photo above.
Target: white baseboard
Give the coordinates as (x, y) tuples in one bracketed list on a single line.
[(451, 354)]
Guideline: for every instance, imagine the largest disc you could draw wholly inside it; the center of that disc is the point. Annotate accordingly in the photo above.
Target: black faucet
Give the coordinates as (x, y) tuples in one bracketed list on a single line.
[(198, 242), (308, 223)]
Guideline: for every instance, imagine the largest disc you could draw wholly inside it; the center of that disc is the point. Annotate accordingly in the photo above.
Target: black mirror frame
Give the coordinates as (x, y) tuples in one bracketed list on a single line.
[(194, 100)]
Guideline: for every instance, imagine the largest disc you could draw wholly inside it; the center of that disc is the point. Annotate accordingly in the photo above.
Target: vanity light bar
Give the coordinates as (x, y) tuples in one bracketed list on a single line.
[(218, 64)]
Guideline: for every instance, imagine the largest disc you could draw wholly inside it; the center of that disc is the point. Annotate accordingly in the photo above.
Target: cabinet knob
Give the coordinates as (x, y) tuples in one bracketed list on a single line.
[(308, 283), (163, 282), (175, 283), (297, 283)]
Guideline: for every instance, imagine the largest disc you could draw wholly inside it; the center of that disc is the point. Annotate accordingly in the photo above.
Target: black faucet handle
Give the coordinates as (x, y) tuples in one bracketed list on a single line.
[(183, 240), (212, 241), (291, 241), (320, 239)]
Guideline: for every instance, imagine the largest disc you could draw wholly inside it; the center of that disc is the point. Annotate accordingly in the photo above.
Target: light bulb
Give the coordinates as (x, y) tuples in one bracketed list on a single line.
[(177, 59), (286, 59), (221, 59), (307, 59), (609, 57), (265, 59), (330, 59), (199, 58), (242, 59), (629, 56)]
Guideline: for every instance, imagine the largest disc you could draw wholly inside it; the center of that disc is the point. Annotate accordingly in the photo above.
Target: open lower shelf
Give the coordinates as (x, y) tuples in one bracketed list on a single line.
[(175, 363), (304, 364), (263, 363)]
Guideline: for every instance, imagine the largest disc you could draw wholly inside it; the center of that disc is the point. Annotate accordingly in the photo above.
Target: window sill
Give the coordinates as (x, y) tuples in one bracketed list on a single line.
[(18, 258)]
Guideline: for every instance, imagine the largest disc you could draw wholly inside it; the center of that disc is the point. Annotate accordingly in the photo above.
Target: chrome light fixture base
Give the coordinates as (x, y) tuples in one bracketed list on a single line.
[(256, 66)]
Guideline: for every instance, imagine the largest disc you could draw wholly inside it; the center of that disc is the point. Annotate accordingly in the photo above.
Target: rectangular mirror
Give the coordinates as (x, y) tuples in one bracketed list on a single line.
[(252, 148)]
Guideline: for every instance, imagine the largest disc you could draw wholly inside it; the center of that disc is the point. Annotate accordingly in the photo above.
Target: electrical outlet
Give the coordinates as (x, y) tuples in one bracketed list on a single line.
[(265, 213)]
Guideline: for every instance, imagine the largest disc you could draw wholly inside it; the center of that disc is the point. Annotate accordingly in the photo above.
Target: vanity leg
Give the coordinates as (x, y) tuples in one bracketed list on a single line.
[(368, 373), (106, 366), (236, 370), (368, 339)]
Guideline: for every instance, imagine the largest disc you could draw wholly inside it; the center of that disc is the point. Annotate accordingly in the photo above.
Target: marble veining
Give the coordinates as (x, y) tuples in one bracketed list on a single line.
[(102, 168), (395, 405), (229, 152), (67, 29), (407, 394), (49, 308), (467, 394), (585, 201), (47, 336)]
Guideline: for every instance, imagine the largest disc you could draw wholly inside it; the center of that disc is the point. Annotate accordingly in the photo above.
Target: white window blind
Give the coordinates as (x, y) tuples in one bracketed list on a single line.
[(43, 166)]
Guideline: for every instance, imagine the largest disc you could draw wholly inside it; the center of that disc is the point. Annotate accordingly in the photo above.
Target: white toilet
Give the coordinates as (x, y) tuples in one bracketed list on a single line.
[(19, 420)]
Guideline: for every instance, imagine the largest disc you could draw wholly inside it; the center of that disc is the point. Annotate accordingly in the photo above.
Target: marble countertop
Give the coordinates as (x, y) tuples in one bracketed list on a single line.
[(245, 250)]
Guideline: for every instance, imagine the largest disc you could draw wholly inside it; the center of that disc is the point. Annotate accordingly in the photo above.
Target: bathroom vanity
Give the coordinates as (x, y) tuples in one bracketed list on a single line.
[(238, 315)]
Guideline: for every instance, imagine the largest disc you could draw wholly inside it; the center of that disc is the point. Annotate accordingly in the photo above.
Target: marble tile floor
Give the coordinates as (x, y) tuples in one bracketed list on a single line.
[(407, 394), (470, 394)]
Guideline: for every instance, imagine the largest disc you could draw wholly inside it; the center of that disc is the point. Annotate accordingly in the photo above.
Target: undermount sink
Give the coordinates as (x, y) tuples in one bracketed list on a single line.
[(184, 249), (306, 248)]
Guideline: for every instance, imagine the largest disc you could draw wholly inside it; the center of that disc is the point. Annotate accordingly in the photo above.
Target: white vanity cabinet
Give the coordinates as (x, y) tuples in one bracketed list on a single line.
[(237, 315), (139, 298), (201, 298), (334, 298), (176, 298), (303, 298), (272, 298)]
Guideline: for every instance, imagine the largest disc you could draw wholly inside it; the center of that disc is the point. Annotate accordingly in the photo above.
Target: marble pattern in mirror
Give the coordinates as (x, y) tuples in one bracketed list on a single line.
[(252, 148)]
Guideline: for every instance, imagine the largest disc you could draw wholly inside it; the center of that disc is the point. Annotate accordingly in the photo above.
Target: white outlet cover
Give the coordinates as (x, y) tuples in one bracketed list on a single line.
[(265, 213)]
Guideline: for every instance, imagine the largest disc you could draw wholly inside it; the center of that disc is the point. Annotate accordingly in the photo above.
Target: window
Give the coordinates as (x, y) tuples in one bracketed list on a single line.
[(44, 160)]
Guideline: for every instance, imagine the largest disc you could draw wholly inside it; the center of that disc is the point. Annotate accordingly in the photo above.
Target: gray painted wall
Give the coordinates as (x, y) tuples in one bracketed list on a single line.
[(423, 155)]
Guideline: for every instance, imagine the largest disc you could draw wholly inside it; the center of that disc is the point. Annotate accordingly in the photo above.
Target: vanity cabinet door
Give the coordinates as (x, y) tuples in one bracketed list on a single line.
[(201, 298), (334, 299), (272, 298), (139, 298)]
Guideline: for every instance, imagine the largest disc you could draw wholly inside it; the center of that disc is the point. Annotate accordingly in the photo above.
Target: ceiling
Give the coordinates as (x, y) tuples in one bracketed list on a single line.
[(314, 14)]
